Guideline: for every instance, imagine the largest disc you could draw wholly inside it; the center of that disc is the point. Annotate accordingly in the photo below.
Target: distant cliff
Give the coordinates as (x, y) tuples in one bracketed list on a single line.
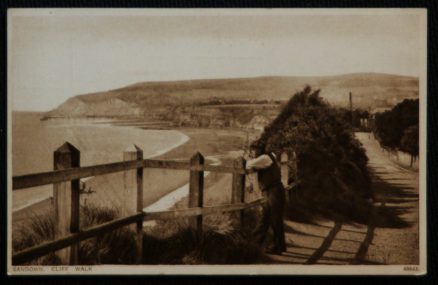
[(233, 102), (75, 107)]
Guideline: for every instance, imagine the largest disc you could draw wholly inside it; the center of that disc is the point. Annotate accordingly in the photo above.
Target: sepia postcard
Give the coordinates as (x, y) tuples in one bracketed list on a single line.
[(217, 141)]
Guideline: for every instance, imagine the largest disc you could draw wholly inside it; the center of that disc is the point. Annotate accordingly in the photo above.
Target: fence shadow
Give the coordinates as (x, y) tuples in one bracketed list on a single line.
[(391, 201)]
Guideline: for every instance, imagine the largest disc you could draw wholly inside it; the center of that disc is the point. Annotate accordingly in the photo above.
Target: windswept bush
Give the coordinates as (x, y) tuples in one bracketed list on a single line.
[(331, 163)]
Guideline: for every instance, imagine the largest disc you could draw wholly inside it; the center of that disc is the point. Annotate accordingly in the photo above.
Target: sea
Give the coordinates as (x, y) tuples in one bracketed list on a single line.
[(98, 140)]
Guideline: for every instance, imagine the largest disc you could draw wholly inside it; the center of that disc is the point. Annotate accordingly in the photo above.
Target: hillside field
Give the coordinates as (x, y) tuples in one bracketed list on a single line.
[(234, 102)]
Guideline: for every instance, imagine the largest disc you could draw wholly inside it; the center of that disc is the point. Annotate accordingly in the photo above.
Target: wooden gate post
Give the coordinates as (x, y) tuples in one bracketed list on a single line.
[(133, 196), (196, 190), (238, 186), (66, 201)]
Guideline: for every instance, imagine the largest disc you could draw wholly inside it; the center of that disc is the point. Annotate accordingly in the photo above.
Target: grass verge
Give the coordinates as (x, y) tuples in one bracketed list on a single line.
[(168, 242)]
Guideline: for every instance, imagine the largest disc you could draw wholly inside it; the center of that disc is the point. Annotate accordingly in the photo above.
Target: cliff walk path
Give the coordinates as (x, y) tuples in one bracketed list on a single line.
[(396, 189)]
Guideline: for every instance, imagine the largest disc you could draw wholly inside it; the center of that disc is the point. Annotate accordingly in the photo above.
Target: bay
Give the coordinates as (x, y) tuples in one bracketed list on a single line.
[(34, 141)]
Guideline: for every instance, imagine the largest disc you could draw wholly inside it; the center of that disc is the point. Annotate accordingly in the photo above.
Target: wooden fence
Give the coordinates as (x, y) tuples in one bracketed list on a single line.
[(66, 192)]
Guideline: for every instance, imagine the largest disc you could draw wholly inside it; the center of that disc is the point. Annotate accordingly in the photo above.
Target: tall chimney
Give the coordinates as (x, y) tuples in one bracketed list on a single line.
[(351, 108)]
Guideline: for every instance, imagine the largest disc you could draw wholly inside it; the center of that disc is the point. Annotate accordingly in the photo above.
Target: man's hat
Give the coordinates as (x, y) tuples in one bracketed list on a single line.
[(258, 145)]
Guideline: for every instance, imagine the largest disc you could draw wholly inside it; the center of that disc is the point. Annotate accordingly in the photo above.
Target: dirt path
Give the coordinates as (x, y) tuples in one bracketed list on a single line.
[(396, 190)]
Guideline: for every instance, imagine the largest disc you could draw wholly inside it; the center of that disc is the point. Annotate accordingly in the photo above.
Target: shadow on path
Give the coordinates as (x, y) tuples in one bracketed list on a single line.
[(317, 254), (311, 241)]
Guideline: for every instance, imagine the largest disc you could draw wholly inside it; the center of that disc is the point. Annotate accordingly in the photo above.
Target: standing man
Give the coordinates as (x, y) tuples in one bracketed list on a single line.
[(269, 179)]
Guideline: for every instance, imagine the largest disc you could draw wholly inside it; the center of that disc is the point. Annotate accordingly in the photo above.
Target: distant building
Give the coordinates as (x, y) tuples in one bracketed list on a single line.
[(379, 110), (364, 123)]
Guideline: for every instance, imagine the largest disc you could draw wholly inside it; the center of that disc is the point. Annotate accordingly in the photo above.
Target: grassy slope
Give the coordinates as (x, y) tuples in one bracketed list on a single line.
[(170, 242), (368, 89)]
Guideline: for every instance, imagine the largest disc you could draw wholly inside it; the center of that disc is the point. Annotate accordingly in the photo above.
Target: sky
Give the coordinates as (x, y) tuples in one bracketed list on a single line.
[(57, 54)]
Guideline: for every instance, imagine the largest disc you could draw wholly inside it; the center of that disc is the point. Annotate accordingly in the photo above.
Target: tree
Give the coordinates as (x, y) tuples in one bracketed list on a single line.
[(409, 141), (391, 125)]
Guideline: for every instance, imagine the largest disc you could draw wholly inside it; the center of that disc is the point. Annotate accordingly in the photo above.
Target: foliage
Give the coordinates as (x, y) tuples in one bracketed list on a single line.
[(331, 164), (223, 241), (169, 242), (354, 118), (38, 229), (115, 247), (392, 125), (409, 140)]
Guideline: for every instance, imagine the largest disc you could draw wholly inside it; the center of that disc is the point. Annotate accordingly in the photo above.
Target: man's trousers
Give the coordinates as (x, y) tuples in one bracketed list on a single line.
[(272, 216)]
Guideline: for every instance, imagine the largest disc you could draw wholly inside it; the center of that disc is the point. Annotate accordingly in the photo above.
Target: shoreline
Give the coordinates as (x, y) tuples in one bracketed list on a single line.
[(171, 199), (31, 203), (159, 182), (183, 138)]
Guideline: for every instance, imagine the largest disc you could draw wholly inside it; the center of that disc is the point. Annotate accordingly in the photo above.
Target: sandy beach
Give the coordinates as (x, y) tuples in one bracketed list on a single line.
[(158, 183)]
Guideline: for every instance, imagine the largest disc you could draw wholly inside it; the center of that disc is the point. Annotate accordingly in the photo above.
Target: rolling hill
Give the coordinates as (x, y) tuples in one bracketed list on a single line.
[(221, 100)]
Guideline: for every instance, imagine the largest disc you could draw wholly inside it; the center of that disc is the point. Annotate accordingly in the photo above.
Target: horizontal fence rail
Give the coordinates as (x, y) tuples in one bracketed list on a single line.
[(65, 178), (50, 177), (200, 211), (50, 246)]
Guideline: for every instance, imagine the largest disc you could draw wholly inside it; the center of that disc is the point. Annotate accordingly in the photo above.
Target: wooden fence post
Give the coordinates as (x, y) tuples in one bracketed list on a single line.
[(196, 190), (284, 168), (129, 196), (134, 195), (66, 201), (238, 186), (285, 172), (294, 159)]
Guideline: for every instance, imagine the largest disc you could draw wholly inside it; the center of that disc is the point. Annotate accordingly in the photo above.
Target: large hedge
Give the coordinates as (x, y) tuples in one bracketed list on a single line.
[(331, 163)]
